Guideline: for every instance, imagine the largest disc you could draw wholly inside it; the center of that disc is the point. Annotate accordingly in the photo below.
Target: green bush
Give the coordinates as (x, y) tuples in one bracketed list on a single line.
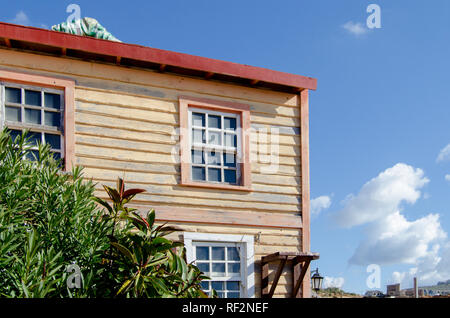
[(50, 220)]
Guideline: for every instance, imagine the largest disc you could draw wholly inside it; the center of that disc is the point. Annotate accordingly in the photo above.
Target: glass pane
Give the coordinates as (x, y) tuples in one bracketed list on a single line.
[(230, 176), (198, 136), (233, 295), (230, 140), (52, 119), (204, 285), (217, 285), (203, 267), (198, 157), (202, 253), (233, 254), (53, 140), (198, 119), (214, 175), (13, 95), (218, 269), (214, 121), (13, 114), (215, 138), (32, 116), (229, 123), (214, 158), (32, 98), (229, 160), (15, 133), (218, 253), (33, 155), (52, 100), (198, 173), (35, 138), (56, 155), (221, 295), (234, 268), (232, 285)]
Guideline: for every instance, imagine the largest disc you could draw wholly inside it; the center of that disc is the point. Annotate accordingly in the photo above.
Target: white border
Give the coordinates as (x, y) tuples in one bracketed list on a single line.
[(247, 242)]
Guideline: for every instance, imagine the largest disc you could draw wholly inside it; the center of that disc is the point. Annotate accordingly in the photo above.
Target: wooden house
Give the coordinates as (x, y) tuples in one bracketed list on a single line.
[(221, 148)]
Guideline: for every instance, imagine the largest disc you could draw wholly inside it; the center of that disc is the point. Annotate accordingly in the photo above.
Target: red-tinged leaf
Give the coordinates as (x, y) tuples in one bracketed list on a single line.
[(131, 192), (112, 193), (120, 187)]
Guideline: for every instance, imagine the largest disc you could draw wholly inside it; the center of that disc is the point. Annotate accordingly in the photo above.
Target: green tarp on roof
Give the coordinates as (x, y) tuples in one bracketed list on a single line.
[(85, 27)]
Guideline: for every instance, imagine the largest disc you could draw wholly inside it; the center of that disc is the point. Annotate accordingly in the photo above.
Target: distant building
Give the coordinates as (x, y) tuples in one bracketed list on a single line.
[(393, 290)]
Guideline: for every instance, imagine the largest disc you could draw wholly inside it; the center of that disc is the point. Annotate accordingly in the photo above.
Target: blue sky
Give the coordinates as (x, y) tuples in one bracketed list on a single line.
[(382, 105)]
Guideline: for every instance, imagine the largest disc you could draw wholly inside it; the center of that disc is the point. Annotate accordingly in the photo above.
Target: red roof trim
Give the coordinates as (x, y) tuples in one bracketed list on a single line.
[(142, 53)]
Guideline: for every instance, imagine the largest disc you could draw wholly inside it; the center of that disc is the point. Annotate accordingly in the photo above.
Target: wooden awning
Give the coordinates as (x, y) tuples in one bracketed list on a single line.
[(300, 264)]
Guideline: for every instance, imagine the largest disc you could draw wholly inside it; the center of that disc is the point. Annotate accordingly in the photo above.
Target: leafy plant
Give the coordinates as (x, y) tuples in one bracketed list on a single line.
[(144, 261)]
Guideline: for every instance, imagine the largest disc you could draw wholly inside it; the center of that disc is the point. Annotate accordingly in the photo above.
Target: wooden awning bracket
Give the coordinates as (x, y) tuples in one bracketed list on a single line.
[(300, 264)]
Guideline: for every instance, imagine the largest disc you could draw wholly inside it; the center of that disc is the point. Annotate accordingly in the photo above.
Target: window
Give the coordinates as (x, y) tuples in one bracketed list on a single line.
[(226, 259), (214, 144), (43, 105), (37, 109)]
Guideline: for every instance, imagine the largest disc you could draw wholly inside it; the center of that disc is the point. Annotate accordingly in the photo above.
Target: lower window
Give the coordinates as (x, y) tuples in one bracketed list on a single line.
[(226, 259)]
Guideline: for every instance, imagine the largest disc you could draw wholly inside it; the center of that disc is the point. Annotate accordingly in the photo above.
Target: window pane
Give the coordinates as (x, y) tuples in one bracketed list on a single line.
[(32, 116), (214, 122), (13, 114), (218, 285), (214, 158), (230, 140), (15, 133), (229, 123), (218, 253), (33, 155), (56, 155), (32, 98), (53, 140), (234, 268), (214, 175), (198, 173), (221, 295), (218, 269), (198, 119), (203, 267), (232, 285), (233, 295), (233, 254), (13, 95), (229, 160), (52, 119), (198, 157), (215, 138), (230, 176), (35, 138), (204, 285), (202, 253), (52, 100), (198, 136)]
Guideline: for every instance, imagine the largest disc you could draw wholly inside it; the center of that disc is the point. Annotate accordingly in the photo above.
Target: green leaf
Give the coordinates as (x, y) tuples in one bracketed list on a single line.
[(125, 251), (125, 286)]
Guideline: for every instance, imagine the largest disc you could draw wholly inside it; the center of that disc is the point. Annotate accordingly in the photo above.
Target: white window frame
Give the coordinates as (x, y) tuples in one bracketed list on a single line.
[(246, 245), (209, 147), (42, 128)]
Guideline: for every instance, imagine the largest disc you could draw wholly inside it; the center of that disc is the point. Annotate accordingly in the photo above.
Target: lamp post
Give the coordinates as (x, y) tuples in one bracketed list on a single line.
[(316, 281)]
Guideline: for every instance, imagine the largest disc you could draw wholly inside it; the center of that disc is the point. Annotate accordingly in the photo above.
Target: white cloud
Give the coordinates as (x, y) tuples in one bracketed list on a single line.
[(444, 154), (382, 196), (355, 28), (447, 177), (21, 18), (390, 238), (333, 282), (319, 204)]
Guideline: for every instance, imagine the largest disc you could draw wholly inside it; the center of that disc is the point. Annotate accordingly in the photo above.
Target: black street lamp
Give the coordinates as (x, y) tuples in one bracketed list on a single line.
[(316, 281)]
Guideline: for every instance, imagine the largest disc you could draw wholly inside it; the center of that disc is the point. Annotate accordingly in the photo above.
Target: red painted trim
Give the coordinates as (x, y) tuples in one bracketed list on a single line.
[(141, 53)]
